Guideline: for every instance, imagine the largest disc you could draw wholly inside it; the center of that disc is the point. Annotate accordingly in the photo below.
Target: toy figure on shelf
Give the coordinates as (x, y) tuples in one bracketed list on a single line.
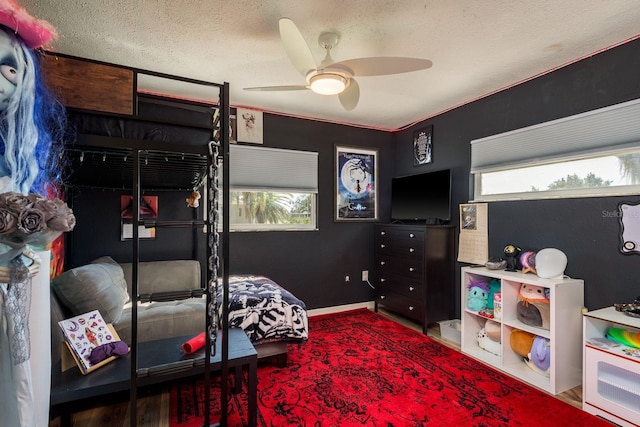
[(511, 252), (477, 295), (533, 306), (528, 262)]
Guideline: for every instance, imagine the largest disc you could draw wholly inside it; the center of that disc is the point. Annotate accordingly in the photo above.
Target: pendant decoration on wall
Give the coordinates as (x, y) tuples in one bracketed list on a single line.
[(423, 146), (629, 218)]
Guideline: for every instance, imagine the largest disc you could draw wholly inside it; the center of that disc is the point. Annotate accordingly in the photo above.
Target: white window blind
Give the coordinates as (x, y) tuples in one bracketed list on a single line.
[(261, 168), (609, 130)]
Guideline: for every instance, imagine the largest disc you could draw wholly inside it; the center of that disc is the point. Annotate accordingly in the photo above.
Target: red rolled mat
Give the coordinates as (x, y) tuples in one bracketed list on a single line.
[(194, 344)]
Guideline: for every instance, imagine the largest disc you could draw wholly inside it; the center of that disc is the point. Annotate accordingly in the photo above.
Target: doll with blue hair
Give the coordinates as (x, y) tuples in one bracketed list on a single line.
[(31, 129)]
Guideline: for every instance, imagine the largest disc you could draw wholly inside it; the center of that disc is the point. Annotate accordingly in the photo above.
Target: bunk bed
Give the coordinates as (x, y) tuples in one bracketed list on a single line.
[(108, 149)]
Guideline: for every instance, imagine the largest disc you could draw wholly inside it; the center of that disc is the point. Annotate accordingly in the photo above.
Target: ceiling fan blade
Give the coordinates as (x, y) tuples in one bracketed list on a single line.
[(277, 88), (295, 46), (383, 65), (350, 96)]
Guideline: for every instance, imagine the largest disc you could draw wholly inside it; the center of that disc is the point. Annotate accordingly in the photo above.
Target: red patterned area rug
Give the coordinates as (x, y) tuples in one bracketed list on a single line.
[(361, 369)]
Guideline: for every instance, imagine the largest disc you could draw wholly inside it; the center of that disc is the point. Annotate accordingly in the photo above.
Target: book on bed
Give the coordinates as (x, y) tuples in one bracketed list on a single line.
[(82, 334)]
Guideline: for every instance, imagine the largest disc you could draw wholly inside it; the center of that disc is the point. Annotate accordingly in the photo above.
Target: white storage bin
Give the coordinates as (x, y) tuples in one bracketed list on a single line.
[(450, 330)]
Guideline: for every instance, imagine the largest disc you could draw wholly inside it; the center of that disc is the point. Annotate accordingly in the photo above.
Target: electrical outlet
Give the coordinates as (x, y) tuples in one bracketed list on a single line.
[(365, 275), (347, 278)]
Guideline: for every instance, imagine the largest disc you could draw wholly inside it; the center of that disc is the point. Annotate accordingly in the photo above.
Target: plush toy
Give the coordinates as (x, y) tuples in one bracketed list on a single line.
[(488, 344), (477, 295), (511, 252), (494, 288), (521, 342), (528, 262), (193, 201), (533, 306), (493, 330), (540, 355)]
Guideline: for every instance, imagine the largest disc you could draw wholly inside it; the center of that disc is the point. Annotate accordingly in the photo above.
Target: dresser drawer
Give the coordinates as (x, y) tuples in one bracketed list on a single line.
[(411, 288), (400, 248), (401, 305), (388, 266), (401, 234)]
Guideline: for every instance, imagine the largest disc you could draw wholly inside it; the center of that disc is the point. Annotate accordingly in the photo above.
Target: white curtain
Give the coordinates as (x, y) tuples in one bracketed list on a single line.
[(25, 351)]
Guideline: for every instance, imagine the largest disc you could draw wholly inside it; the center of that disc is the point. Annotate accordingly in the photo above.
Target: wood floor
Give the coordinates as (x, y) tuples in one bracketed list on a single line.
[(153, 404)]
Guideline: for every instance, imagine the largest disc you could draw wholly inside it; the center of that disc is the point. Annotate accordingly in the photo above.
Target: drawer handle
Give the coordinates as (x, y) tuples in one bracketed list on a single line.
[(382, 297), (382, 233), (411, 288), (382, 263), (410, 308), (411, 268), (412, 235), (383, 280), (411, 250), (381, 246)]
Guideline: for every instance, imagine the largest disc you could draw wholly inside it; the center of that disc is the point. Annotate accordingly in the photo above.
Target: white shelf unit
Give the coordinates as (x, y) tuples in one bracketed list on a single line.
[(611, 384), (565, 331)]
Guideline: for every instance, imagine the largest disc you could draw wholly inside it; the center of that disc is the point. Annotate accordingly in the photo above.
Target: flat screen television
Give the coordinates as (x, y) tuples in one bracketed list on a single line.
[(425, 197)]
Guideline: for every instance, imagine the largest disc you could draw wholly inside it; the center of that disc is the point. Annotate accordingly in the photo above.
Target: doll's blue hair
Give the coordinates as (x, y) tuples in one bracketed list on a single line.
[(32, 129)]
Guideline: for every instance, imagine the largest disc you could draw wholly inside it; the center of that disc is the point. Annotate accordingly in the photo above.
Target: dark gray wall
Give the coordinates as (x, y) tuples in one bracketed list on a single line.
[(312, 264), (576, 226)]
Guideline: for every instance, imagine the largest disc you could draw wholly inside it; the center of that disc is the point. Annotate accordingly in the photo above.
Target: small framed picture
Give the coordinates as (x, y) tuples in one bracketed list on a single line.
[(423, 146), (148, 210), (355, 182)]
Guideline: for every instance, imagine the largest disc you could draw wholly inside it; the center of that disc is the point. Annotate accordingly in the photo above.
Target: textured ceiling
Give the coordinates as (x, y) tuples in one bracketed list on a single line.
[(477, 47)]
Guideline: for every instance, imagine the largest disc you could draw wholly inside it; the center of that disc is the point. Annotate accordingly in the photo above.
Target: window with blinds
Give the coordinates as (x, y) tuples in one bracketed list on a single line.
[(272, 189), (596, 153)]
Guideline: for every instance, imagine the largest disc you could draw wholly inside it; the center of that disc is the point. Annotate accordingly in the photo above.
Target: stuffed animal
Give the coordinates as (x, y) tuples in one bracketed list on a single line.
[(540, 355), (528, 262), (493, 330), (521, 342), (193, 201), (533, 306), (511, 252), (488, 344), (478, 295)]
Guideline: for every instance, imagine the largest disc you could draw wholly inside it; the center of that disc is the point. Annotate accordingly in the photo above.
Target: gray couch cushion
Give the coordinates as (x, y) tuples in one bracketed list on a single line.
[(97, 286), (164, 276), (157, 320)]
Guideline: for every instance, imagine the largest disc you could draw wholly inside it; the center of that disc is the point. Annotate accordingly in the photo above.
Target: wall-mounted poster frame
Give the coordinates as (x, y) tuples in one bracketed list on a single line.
[(148, 210), (356, 179), (423, 146)]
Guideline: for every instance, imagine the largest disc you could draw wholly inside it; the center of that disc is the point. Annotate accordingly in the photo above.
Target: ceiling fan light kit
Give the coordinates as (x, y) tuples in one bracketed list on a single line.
[(327, 84), (335, 78)]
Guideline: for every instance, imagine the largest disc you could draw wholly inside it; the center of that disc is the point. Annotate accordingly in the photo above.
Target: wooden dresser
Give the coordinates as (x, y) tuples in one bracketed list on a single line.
[(415, 271)]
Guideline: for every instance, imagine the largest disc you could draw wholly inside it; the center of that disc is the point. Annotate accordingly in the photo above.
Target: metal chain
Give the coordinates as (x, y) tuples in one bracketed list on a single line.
[(214, 242)]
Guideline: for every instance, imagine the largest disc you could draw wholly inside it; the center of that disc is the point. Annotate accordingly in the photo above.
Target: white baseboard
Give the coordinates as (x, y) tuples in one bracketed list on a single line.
[(340, 308)]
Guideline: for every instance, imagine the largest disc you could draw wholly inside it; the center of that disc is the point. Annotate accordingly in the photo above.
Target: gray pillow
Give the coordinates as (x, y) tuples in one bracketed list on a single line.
[(96, 286)]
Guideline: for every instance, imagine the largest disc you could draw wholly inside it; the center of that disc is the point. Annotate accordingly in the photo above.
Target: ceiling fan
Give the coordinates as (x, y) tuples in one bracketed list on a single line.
[(335, 78)]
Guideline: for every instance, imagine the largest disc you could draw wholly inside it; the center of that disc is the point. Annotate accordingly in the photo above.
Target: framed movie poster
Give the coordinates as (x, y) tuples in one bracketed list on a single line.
[(423, 146), (356, 181)]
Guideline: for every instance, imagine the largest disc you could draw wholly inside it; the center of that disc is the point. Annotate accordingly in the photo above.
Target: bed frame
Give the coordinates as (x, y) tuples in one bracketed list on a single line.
[(106, 108)]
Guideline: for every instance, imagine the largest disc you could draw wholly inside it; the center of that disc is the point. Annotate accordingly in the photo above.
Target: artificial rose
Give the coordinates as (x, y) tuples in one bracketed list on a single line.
[(31, 221), (49, 208), (64, 222), (8, 221), (13, 201)]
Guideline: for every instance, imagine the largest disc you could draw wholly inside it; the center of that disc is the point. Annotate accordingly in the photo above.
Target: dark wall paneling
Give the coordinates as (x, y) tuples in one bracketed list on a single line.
[(576, 226)]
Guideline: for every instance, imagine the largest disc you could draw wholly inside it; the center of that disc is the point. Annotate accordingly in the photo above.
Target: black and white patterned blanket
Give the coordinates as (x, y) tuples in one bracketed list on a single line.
[(264, 310)]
